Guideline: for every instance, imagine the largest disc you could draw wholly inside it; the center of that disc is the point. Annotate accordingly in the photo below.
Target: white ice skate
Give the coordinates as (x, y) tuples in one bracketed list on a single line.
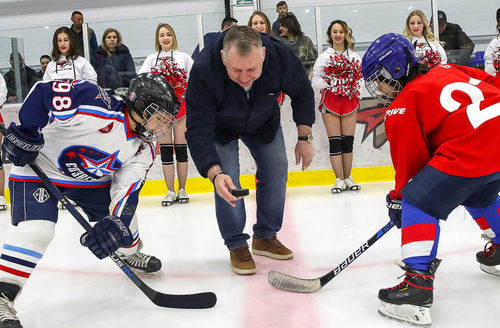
[(339, 186), (182, 196), (3, 203), (351, 185), (169, 199)]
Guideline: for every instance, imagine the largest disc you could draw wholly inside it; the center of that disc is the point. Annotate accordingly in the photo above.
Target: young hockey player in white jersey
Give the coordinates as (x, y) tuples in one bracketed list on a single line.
[(97, 150)]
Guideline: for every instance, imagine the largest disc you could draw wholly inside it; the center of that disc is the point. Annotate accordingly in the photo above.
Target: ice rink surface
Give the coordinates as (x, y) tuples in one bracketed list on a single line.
[(71, 288)]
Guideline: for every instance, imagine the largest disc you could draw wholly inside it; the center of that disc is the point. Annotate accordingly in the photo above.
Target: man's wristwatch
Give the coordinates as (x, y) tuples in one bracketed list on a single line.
[(309, 138)]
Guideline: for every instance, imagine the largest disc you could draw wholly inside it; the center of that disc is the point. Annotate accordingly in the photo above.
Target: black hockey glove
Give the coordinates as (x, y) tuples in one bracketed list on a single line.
[(20, 149), (394, 206), (107, 236)]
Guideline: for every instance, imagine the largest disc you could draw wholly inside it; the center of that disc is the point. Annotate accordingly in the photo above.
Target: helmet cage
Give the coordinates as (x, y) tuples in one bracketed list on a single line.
[(157, 123), (382, 86)]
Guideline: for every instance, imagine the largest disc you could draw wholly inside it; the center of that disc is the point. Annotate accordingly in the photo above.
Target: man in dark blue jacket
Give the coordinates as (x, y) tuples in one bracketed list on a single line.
[(233, 94)]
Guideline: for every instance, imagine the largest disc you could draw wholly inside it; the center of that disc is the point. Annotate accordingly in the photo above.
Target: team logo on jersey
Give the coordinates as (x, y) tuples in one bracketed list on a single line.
[(87, 163), (107, 128), (64, 63), (103, 95), (41, 195)]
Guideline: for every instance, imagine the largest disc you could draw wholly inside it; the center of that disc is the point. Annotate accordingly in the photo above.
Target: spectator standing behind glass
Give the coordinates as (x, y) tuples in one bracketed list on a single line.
[(492, 53), (454, 38), (282, 10), (428, 49), (301, 45), (28, 79), (339, 103), (3, 98), (44, 62), (66, 64), (114, 64), (260, 22), (77, 31), (232, 96), (167, 47), (211, 36)]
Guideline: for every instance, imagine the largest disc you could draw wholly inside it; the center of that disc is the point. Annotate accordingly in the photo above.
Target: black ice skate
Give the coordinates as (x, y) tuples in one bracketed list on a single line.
[(490, 258), (8, 293), (410, 301), (142, 264)]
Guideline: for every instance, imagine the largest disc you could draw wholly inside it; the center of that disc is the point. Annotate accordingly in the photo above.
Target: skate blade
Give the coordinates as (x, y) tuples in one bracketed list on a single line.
[(183, 200), (413, 315), (163, 203), (490, 270), (3, 207), (146, 274)]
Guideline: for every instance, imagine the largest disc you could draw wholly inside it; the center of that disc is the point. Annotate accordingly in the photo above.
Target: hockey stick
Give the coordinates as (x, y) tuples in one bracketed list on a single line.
[(187, 301), (299, 285)]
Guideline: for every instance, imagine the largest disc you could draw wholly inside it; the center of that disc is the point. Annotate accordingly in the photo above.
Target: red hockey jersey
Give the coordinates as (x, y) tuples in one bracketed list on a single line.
[(449, 119)]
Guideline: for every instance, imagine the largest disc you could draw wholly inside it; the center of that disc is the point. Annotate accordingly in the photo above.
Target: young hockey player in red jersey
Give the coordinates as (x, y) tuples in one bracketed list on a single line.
[(442, 126), (97, 149)]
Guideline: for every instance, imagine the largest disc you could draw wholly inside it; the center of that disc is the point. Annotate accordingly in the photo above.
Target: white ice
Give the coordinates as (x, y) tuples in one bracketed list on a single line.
[(71, 288)]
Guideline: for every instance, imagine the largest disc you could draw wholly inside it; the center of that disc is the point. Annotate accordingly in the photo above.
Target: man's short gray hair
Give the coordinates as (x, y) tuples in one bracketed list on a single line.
[(243, 38)]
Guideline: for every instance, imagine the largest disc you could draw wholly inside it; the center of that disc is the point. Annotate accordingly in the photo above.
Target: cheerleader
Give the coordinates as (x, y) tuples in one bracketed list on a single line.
[(167, 53), (337, 76), (66, 64), (427, 48)]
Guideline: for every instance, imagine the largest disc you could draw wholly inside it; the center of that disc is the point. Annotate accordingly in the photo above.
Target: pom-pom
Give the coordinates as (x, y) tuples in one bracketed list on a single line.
[(431, 58), (175, 76), (343, 76), (496, 61)]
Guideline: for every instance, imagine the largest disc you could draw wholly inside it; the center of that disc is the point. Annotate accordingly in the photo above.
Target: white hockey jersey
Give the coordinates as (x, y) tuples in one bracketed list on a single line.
[(88, 141)]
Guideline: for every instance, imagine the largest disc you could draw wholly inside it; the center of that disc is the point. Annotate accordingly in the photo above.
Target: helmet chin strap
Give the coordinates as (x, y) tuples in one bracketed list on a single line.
[(138, 126)]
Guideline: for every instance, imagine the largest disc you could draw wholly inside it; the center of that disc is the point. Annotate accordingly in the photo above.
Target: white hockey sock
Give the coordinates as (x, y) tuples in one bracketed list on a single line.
[(24, 248)]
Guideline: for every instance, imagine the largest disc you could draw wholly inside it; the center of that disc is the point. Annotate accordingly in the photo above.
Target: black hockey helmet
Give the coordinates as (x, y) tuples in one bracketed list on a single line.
[(154, 100)]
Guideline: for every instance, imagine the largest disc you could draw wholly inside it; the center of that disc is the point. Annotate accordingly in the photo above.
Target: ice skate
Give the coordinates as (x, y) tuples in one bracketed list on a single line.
[(490, 258), (411, 300), (339, 186), (351, 185), (182, 197), (8, 293), (143, 264), (3, 203), (62, 207), (169, 199)]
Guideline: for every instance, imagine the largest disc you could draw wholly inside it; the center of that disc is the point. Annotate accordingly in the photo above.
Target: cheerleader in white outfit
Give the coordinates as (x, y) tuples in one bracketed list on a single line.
[(337, 76), (167, 51), (427, 48), (66, 64)]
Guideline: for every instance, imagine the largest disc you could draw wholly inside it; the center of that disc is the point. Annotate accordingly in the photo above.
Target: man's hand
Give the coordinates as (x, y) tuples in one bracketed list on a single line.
[(223, 184), (304, 151)]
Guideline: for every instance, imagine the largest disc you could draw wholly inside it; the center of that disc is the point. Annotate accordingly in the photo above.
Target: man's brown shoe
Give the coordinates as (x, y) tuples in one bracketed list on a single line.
[(272, 248), (242, 261)]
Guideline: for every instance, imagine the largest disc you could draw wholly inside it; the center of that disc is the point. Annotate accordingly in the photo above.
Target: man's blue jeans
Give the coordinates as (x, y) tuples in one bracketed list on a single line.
[(272, 170)]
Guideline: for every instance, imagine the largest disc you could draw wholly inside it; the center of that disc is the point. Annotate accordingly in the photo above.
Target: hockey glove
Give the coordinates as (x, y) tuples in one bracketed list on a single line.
[(20, 149), (107, 236), (394, 206)]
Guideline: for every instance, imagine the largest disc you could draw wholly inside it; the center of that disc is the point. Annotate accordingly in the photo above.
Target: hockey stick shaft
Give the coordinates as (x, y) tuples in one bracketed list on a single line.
[(187, 301), (299, 285)]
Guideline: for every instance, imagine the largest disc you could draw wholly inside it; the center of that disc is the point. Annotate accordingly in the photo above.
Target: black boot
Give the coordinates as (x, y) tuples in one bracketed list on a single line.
[(8, 293), (489, 258), (415, 291)]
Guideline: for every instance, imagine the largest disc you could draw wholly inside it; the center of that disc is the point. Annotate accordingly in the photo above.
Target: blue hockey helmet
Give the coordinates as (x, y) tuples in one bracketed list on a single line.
[(389, 58)]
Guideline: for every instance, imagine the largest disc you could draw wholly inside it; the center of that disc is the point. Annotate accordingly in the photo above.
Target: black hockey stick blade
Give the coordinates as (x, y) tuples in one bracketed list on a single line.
[(300, 285), (185, 301)]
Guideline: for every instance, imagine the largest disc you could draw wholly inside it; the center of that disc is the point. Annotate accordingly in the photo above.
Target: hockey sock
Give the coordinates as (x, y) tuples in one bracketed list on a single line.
[(488, 219), (132, 249), (24, 248), (420, 237)]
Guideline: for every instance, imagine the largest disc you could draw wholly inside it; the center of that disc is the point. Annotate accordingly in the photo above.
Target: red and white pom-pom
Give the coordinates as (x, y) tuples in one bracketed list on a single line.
[(496, 61), (175, 76), (431, 58), (343, 75)]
